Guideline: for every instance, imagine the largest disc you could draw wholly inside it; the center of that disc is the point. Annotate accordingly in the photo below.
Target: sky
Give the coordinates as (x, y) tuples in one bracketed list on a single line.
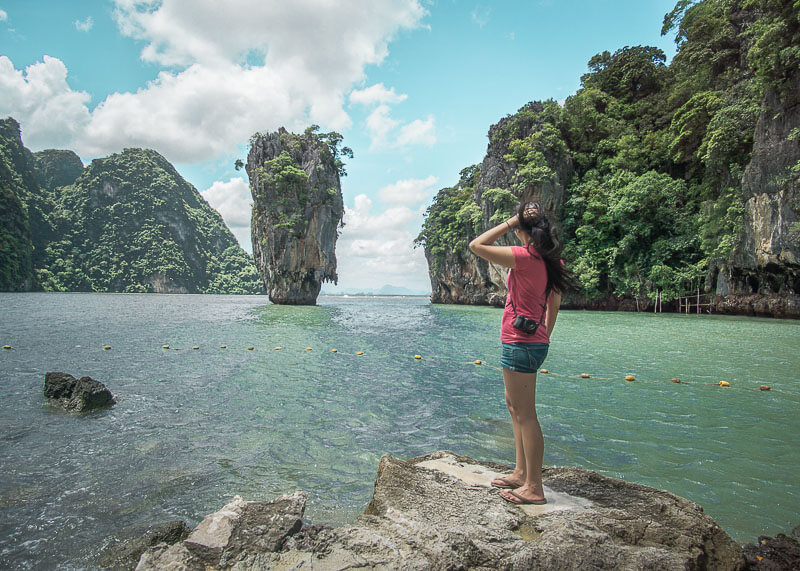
[(412, 85)]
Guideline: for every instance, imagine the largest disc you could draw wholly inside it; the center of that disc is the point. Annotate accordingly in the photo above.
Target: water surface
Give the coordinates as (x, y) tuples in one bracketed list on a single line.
[(193, 427)]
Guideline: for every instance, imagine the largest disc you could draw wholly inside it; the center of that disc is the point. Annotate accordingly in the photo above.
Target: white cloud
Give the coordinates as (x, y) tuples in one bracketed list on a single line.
[(233, 201), (408, 192), (380, 125), (51, 114), (3, 16), (376, 94), (386, 132), (211, 99), (377, 248), (417, 132), (84, 25), (480, 15)]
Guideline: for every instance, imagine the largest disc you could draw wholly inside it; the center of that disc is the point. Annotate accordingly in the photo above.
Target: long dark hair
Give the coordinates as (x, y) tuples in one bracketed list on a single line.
[(544, 239)]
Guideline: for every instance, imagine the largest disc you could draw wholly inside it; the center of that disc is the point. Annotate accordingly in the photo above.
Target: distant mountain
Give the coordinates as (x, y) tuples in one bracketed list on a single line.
[(125, 223), (383, 290)]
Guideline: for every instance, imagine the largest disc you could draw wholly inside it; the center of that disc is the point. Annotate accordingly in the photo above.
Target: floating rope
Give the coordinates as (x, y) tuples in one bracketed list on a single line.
[(418, 357)]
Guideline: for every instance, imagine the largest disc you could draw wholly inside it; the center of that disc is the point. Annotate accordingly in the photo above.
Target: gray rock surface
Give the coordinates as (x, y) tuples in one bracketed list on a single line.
[(779, 553), (439, 512), (78, 395), (296, 214), (466, 279), (763, 274), (125, 554)]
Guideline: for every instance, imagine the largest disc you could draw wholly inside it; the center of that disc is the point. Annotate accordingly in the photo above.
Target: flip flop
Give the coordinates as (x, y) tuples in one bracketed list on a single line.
[(522, 501), (507, 485)]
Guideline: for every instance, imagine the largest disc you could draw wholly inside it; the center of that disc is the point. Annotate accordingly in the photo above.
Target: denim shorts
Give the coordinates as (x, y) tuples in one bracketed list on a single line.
[(523, 357)]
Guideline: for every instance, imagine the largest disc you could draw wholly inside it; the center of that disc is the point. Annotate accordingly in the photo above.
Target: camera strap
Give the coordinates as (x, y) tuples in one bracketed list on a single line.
[(544, 307)]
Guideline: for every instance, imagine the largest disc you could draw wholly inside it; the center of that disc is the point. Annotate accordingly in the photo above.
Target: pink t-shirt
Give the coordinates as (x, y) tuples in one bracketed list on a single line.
[(527, 282)]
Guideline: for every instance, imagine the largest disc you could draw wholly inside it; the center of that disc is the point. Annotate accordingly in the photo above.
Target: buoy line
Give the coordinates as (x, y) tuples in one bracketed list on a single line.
[(724, 384)]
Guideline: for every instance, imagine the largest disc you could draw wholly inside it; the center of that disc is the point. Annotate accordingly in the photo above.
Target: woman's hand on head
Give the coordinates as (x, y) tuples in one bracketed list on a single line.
[(513, 222)]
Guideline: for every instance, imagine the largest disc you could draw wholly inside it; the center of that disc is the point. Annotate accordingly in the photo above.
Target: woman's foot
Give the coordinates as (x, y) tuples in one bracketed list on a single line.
[(508, 482), (524, 495)]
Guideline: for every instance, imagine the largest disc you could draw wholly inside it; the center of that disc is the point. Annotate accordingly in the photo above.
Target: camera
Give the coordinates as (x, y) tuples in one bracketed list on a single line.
[(525, 324)]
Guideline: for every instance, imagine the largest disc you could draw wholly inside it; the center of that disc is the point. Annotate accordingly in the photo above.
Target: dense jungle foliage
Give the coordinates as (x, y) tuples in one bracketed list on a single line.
[(125, 223), (653, 200)]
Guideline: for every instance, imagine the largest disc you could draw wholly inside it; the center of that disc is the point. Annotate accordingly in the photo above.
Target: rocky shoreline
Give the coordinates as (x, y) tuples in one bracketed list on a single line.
[(439, 512)]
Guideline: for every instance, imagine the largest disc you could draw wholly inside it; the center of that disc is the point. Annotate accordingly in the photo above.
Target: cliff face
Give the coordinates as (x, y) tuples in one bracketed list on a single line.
[(763, 274), (297, 211), (493, 189), (126, 223), (22, 213), (661, 177), (56, 167), (131, 223)]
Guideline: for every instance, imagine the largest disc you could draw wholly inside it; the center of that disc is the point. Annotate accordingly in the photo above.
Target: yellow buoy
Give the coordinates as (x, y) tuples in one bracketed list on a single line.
[(165, 346), (478, 362), (223, 346), (764, 388), (676, 380), (545, 371), (6, 346), (195, 347), (360, 353), (724, 384), (308, 348), (278, 348), (585, 376), (251, 348), (77, 346), (418, 356), (106, 347), (334, 351), (630, 378)]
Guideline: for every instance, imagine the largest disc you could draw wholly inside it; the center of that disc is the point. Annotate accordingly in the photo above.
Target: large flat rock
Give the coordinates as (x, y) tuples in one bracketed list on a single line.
[(440, 512)]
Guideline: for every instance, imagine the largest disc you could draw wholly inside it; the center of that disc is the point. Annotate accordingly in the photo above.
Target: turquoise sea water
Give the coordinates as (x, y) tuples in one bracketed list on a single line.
[(194, 427)]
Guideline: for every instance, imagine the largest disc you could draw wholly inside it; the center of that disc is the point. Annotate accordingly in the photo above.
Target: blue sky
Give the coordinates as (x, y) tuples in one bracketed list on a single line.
[(413, 87)]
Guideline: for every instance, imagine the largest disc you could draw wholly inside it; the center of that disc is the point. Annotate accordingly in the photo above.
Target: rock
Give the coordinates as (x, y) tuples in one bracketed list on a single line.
[(762, 276), (79, 395), (55, 168), (126, 554), (775, 553), (297, 212), (457, 276), (440, 512), (238, 532)]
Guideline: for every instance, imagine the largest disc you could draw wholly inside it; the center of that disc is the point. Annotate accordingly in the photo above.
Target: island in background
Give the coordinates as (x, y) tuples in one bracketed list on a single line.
[(666, 179), (126, 223)]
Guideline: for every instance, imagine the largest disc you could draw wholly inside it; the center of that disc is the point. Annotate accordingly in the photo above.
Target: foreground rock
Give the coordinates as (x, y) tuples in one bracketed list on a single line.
[(126, 554), (297, 211), (439, 512), (78, 395), (775, 553)]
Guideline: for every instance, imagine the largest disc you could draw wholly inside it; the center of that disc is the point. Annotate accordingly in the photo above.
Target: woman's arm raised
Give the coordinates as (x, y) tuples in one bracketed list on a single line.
[(482, 245)]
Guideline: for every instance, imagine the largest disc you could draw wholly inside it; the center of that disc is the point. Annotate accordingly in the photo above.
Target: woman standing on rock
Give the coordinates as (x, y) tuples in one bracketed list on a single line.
[(535, 283)]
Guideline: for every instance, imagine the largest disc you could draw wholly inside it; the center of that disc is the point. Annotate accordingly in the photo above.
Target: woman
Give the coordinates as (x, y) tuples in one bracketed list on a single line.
[(535, 283)]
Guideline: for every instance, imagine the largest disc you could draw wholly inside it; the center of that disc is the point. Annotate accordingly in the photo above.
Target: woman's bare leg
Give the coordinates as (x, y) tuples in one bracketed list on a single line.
[(517, 477), (521, 400)]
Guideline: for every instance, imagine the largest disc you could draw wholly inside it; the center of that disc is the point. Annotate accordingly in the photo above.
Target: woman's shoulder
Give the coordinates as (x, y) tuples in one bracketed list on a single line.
[(525, 251)]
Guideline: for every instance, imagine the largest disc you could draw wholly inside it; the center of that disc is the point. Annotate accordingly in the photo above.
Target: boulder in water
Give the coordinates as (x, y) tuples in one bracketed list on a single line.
[(78, 395)]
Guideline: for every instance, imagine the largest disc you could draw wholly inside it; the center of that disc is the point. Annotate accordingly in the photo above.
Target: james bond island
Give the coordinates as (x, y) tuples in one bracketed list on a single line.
[(297, 211)]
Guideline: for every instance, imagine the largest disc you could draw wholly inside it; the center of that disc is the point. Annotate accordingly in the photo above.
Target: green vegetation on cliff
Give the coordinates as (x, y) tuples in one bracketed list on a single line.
[(125, 223), (654, 199)]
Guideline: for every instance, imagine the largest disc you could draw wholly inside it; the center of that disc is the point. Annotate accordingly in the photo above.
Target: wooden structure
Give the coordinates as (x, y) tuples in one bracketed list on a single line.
[(689, 303)]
